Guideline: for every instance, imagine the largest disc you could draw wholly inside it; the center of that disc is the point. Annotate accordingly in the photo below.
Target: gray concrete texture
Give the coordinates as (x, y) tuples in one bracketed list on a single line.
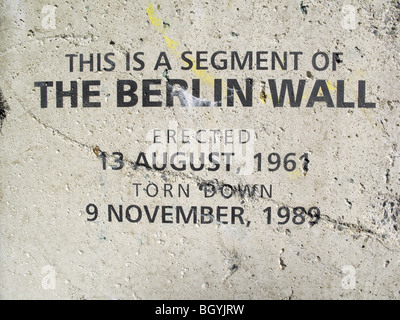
[(319, 217)]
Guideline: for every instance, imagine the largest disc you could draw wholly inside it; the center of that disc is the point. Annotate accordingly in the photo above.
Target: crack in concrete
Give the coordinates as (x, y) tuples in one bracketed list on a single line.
[(337, 224), (58, 132), (358, 229)]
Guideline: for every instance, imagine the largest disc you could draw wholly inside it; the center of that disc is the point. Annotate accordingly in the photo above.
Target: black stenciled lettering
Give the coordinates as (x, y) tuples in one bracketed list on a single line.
[(139, 61), (181, 190), (228, 161), (192, 166), (260, 60), (269, 214), (283, 213), (43, 91), (274, 159), (233, 86), (186, 218), (218, 92), (98, 62), (323, 66), (246, 189), (87, 93), (215, 162), (187, 60), (275, 57), (268, 192), (112, 211), (361, 96), (165, 215), (163, 164), (237, 213), (60, 94), (287, 86), (71, 61), (129, 92), (326, 96), (206, 215), (91, 209), (129, 216), (295, 55), (155, 192), (171, 134), (151, 217), (241, 64), (289, 164), (340, 96), (182, 162), (103, 157), (298, 215), (316, 215), (119, 160), (221, 213), (148, 93), (227, 194), (205, 187), (82, 62), (137, 187), (109, 61), (200, 59), (162, 61), (336, 59), (258, 158), (224, 61), (142, 160), (167, 189)]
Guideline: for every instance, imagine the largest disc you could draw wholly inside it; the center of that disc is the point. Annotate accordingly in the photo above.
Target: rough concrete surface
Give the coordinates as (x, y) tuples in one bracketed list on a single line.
[(311, 210)]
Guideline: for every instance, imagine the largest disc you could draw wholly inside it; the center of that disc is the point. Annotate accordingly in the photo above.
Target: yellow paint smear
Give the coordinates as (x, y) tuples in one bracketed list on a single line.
[(153, 19), (173, 45), (331, 86), (295, 174)]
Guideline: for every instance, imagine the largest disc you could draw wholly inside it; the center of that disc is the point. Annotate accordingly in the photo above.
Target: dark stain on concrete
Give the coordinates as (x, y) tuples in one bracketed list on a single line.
[(4, 107)]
